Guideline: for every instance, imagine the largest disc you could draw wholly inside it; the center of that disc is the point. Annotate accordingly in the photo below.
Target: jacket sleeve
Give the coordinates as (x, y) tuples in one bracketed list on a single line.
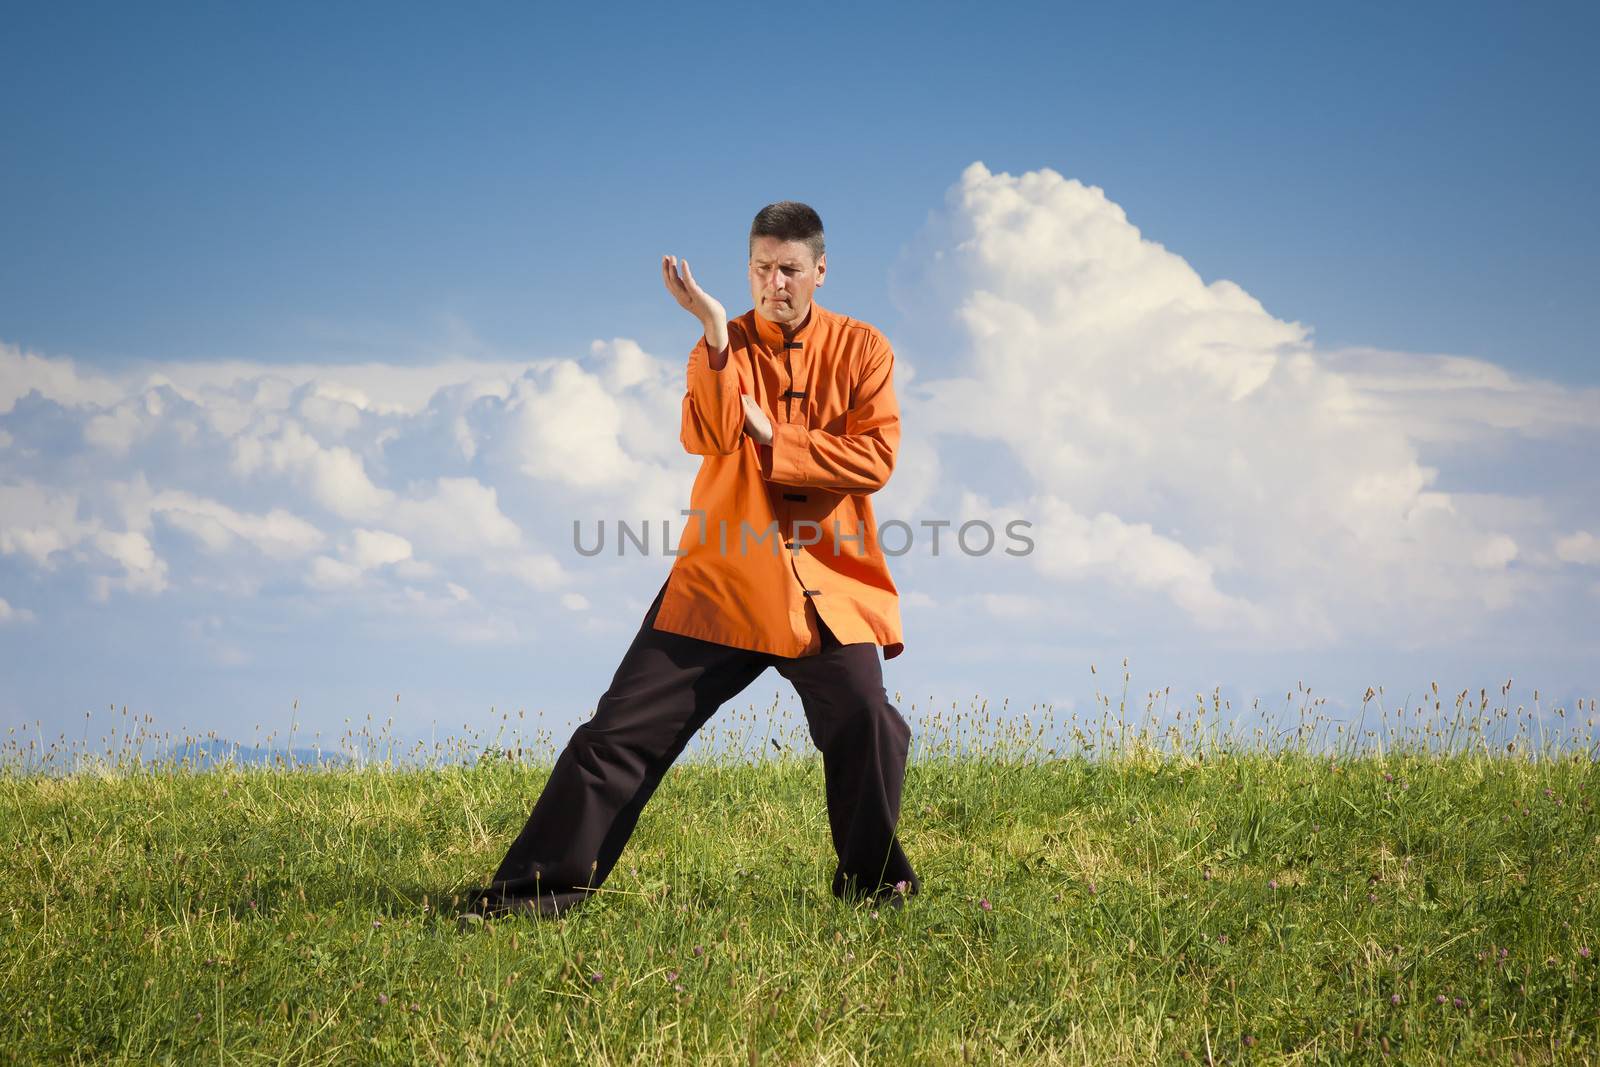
[(860, 459), (713, 418)]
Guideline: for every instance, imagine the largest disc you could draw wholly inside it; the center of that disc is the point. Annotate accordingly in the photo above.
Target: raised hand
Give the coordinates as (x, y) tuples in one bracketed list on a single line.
[(687, 292)]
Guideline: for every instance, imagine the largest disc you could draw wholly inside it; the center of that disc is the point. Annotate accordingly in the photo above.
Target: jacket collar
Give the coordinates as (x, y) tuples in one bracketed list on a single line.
[(771, 333)]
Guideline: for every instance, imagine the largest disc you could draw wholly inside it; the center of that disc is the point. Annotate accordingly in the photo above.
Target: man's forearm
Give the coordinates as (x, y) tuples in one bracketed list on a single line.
[(717, 342)]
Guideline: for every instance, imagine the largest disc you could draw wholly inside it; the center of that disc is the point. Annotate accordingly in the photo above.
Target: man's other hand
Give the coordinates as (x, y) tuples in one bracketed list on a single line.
[(756, 423)]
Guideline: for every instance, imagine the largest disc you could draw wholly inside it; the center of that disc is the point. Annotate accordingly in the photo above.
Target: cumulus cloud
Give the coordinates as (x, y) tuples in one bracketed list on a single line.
[(1182, 453), (377, 548), (1580, 547), (407, 486), (9, 614), (1174, 438)]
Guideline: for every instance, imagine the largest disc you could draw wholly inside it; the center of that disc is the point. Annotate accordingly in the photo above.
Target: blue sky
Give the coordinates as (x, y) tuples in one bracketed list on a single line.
[(209, 197)]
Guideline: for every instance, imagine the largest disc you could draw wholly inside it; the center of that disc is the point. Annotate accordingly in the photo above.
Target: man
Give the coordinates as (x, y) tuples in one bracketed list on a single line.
[(792, 408)]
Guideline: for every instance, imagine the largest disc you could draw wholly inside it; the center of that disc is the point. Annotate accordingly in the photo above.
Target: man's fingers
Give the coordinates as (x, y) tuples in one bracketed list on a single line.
[(675, 284)]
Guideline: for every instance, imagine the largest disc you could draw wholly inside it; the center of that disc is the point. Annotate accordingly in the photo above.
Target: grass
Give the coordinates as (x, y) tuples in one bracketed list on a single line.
[(1418, 889)]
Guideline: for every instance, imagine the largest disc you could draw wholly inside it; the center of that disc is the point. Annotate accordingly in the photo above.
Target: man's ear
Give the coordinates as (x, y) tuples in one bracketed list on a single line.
[(822, 267)]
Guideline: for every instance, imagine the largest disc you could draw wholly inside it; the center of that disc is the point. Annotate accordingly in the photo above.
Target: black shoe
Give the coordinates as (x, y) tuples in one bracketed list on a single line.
[(883, 898), (488, 903)]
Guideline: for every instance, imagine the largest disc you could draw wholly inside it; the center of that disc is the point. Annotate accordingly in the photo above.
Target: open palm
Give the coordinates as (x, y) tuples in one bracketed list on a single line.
[(687, 292)]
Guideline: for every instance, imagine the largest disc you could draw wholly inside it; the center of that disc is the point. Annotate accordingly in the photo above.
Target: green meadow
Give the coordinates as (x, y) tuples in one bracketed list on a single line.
[(1416, 887)]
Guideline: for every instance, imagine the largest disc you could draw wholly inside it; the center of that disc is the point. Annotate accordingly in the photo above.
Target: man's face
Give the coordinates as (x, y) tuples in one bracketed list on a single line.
[(782, 277)]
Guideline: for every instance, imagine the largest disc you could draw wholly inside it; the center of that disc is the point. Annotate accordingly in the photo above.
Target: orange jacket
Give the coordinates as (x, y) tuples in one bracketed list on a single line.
[(784, 533)]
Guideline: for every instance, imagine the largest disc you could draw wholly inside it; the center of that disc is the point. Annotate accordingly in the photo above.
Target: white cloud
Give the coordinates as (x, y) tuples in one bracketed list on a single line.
[(9, 614), (142, 570), (370, 549), (329, 573), (277, 533), (336, 477), (1186, 457), (1170, 436), (1456, 399), (1579, 547), (55, 379), (37, 523)]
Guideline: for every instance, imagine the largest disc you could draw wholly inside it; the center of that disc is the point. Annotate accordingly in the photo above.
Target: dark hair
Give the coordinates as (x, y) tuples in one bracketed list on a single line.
[(789, 220)]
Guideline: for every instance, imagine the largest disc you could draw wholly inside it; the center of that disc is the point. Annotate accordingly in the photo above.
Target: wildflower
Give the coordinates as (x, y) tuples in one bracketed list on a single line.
[(672, 976), (1394, 998), (1092, 889), (1273, 884), (597, 977), (1222, 939), (383, 1000), (376, 923), (699, 950), (1249, 1040), (678, 987), (1583, 950), (1388, 777), (414, 1006), (1458, 1002), (1208, 874), (1440, 999), (985, 905), (902, 887)]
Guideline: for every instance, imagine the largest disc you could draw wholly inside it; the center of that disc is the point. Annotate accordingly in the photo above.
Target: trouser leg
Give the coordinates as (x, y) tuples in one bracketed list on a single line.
[(664, 690), (864, 742)]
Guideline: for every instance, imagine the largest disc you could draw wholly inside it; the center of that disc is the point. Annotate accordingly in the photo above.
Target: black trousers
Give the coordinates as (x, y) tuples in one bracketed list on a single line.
[(664, 690)]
